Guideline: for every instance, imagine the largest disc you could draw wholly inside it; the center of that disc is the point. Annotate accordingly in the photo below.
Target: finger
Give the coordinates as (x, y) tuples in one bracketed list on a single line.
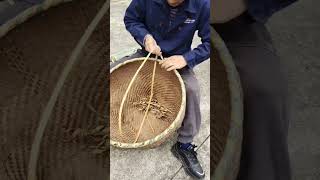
[(164, 63), (148, 44), (152, 49), (168, 64), (158, 53), (171, 68), (148, 49), (158, 50)]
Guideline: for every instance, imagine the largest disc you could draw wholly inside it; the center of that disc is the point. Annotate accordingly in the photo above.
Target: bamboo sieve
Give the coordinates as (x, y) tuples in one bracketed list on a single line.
[(165, 112)]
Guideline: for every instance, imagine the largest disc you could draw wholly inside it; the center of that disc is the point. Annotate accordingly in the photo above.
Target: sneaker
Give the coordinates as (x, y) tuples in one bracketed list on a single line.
[(189, 160)]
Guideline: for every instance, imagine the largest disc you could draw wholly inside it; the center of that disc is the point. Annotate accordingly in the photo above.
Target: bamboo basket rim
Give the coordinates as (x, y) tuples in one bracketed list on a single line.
[(232, 151), (28, 13), (173, 126)]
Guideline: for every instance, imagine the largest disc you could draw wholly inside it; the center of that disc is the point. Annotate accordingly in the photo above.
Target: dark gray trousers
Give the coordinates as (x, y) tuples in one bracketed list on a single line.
[(265, 150), (192, 120)]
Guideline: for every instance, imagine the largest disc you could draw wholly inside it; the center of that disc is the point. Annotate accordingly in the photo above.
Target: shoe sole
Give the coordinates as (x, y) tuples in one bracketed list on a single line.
[(177, 155)]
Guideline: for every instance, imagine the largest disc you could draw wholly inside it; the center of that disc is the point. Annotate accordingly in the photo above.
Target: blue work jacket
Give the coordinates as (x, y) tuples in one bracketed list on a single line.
[(175, 36), (261, 10)]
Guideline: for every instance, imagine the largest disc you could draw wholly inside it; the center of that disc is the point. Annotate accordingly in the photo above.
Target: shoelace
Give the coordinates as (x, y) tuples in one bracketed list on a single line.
[(192, 155)]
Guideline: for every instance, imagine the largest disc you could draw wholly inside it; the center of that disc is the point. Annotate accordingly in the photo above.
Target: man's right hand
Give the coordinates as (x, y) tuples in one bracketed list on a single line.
[(151, 45)]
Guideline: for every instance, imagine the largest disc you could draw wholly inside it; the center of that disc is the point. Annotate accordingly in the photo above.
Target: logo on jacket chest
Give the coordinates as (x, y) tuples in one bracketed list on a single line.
[(189, 21)]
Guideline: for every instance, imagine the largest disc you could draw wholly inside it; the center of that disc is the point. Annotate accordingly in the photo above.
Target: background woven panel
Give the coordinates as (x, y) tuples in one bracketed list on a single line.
[(167, 91), (220, 123), (34, 54)]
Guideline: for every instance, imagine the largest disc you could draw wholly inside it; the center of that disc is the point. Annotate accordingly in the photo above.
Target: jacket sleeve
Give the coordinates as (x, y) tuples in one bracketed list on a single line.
[(202, 52), (134, 20)]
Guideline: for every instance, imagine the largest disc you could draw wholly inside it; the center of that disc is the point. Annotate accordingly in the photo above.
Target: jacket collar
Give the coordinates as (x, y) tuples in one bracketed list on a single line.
[(189, 7)]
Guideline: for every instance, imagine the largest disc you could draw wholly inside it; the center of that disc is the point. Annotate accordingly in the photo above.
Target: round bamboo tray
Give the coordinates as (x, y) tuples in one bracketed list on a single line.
[(226, 123), (169, 91)]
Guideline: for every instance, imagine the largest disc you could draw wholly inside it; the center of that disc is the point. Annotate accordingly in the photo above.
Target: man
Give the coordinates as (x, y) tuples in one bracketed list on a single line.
[(167, 27), (240, 23)]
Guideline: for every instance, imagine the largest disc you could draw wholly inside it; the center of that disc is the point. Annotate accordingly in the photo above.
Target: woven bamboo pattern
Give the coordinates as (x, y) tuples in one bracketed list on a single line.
[(166, 109)]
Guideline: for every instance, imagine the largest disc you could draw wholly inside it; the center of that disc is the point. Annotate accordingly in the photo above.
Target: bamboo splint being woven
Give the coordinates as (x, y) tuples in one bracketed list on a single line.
[(147, 103)]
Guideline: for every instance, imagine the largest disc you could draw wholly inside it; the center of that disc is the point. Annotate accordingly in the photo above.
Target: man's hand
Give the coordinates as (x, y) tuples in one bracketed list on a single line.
[(151, 45), (173, 62)]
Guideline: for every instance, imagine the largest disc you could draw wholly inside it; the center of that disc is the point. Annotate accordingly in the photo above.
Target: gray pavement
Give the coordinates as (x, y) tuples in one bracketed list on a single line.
[(159, 163), (296, 34)]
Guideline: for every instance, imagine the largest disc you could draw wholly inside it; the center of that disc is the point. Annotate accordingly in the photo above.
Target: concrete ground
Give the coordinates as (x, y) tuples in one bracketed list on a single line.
[(296, 34), (159, 163)]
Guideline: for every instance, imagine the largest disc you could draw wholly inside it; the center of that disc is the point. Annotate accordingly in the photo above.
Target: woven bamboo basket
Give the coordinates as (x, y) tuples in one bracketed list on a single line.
[(35, 47), (226, 123), (169, 95)]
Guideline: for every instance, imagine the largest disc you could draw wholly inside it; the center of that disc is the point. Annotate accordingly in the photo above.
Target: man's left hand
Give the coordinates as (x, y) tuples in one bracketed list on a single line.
[(173, 62)]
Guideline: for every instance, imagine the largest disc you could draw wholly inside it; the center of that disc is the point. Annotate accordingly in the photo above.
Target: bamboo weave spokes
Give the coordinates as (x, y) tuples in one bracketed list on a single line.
[(140, 90), (127, 91)]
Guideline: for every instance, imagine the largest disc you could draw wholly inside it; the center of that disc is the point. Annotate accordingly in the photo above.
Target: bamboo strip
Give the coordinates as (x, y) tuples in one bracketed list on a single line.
[(148, 107), (127, 91)]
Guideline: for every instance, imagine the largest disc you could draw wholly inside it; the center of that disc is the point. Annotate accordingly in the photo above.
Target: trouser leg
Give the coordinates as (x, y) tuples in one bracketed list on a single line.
[(264, 148), (137, 54), (191, 122)]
